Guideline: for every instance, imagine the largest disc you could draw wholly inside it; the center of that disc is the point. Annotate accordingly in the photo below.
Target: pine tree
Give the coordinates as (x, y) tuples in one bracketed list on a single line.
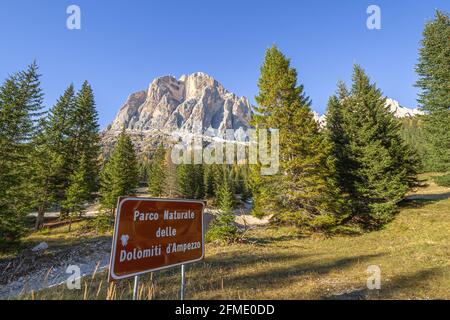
[(120, 175), (412, 133), (305, 171), (199, 186), (11, 157), (336, 132), (52, 157), (184, 180), (223, 228), (157, 173), (218, 172), (78, 190), (434, 79), (380, 166), (85, 138), (21, 100), (55, 165), (258, 189), (57, 139), (44, 183), (190, 181), (208, 181)]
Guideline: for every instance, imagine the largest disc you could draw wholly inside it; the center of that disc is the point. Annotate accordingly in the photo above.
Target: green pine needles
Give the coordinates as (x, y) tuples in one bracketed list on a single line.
[(433, 70), (374, 165)]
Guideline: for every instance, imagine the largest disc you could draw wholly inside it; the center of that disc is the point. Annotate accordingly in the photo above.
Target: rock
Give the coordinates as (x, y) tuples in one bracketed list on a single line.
[(401, 112), (320, 119), (171, 107), (40, 247), (393, 106)]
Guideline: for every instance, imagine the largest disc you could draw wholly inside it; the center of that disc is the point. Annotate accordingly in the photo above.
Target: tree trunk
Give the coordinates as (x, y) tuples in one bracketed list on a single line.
[(39, 218), (64, 214)]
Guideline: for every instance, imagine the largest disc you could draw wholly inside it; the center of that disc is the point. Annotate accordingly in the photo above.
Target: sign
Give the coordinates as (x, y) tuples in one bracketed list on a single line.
[(154, 234)]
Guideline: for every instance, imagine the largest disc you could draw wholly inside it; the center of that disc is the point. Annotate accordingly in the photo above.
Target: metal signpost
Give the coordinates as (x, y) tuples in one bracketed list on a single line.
[(155, 234), (183, 283)]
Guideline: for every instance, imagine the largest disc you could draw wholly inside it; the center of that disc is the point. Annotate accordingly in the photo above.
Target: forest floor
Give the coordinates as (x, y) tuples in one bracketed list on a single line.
[(412, 252)]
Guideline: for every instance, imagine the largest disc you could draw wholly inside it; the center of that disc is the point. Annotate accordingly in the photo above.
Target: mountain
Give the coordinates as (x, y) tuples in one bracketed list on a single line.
[(172, 107), (320, 119), (177, 105), (394, 106), (401, 112)]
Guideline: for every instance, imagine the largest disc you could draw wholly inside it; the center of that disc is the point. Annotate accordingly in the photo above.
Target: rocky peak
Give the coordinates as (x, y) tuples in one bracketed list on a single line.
[(401, 112), (394, 107), (171, 104), (171, 108)]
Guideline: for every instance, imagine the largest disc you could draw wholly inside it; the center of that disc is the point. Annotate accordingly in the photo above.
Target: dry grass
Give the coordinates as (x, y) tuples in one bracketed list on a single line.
[(413, 253), (428, 186)]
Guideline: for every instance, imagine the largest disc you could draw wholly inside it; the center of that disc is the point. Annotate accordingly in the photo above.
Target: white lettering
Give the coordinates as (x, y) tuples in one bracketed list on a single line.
[(148, 216), (176, 215), (138, 254)]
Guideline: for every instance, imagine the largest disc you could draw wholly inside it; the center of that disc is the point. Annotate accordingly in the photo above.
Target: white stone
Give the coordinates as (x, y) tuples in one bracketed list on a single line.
[(40, 247)]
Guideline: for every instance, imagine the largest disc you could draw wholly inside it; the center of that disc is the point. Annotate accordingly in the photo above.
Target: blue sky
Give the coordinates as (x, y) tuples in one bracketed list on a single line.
[(123, 45)]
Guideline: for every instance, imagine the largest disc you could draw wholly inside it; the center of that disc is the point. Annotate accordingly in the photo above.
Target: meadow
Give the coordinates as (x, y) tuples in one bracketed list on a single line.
[(412, 252)]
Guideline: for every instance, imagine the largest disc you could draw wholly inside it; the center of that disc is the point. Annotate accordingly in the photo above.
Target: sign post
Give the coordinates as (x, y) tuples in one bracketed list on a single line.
[(136, 287), (183, 282), (155, 234)]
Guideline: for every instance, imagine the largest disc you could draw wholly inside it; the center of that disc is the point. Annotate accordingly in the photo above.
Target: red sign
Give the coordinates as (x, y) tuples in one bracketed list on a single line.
[(154, 234)]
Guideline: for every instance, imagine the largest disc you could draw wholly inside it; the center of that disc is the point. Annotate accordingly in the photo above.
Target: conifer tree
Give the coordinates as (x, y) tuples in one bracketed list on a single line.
[(85, 136), (374, 165), (336, 132), (218, 172), (190, 181), (199, 186), (208, 181), (44, 182), (305, 171), (184, 180), (157, 173), (78, 192), (223, 228), (120, 175), (258, 189), (21, 100), (57, 136), (412, 133), (434, 81)]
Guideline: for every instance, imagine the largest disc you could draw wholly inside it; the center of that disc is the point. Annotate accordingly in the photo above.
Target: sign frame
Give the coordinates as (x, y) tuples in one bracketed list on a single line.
[(112, 276)]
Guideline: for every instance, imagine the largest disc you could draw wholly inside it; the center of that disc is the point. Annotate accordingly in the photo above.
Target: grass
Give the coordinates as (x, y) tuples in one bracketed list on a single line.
[(413, 253), (443, 180)]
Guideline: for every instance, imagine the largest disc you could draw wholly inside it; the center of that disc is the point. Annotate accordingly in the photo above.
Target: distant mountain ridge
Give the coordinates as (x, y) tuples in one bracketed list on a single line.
[(402, 112), (394, 106)]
